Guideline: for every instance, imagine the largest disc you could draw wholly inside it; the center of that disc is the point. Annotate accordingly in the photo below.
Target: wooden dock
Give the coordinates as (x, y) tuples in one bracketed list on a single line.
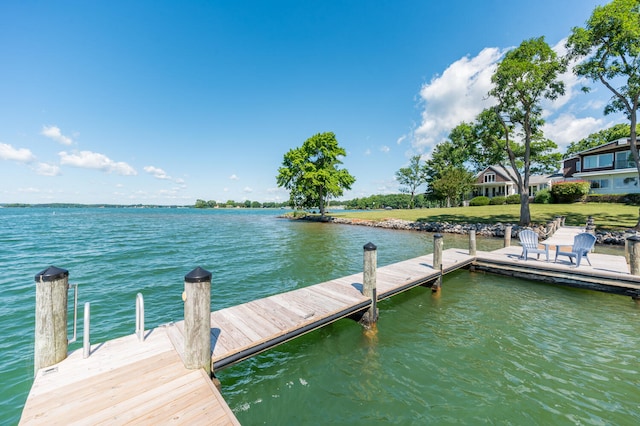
[(125, 381), (242, 331)]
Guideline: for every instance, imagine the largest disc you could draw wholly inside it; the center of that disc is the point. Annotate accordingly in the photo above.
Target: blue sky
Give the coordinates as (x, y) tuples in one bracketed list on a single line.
[(165, 102)]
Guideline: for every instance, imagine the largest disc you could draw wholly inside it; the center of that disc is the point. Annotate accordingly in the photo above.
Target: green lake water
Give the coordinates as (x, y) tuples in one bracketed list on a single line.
[(489, 350)]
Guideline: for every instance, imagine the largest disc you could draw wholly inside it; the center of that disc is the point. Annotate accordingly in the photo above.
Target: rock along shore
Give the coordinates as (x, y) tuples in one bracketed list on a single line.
[(482, 229)]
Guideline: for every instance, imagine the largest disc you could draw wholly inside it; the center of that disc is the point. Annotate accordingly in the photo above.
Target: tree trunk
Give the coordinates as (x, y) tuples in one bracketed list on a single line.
[(321, 202), (525, 214)]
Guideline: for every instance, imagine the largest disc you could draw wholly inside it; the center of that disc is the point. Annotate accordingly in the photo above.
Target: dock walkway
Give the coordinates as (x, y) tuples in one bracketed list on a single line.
[(127, 381)]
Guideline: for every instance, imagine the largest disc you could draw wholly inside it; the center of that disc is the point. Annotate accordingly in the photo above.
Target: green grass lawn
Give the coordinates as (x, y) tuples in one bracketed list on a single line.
[(606, 216)]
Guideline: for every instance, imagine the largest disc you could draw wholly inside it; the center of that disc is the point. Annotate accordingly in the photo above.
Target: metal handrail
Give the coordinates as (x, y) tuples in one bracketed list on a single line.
[(86, 343), (75, 314), (140, 317)]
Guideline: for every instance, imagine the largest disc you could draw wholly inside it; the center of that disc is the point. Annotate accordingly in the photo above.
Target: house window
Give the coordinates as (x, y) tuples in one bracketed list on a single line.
[(624, 160), (600, 184), (489, 177), (578, 167), (532, 190), (625, 183), (598, 161)]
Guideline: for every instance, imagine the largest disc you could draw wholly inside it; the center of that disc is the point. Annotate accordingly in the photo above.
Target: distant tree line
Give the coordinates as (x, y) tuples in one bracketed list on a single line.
[(394, 201), (247, 204)]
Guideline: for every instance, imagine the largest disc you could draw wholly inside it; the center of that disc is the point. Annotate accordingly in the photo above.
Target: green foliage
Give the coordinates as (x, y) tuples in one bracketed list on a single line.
[(632, 199), (411, 178), (480, 201), (394, 201), (543, 197), (609, 47), (606, 198), (311, 172), (513, 199), (570, 191), (525, 77), (453, 185), (498, 200), (595, 139)]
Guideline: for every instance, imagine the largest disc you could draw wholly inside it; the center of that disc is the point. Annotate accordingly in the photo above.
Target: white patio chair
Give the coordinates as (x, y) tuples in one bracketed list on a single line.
[(529, 241), (582, 245)]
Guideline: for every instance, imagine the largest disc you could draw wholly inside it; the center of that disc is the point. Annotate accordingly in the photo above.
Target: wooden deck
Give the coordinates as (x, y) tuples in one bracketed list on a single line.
[(126, 381)]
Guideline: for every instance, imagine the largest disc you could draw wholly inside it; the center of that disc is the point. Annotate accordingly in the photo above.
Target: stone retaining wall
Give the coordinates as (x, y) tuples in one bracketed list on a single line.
[(482, 229)]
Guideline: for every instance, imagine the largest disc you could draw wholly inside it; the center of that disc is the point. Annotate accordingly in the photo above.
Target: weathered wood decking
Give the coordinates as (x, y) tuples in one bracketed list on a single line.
[(242, 331), (126, 381)]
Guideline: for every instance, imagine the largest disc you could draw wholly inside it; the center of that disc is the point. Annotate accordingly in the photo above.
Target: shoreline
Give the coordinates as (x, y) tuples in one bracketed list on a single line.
[(615, 238)]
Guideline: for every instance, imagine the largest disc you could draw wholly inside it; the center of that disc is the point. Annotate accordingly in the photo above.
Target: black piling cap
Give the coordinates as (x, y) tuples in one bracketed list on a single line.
[(370, 247), (437, 236), (52, 273), (198, 275), (634, 239)]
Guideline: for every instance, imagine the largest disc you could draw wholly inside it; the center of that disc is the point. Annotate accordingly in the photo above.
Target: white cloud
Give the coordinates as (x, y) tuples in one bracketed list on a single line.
[(385, 149), (367, 152), (53, 132), (45, 169), (156, 172), (401, 139), (247, 190), (234, 177), (566, 128), (94, 160), (458, 95), (21, 155)]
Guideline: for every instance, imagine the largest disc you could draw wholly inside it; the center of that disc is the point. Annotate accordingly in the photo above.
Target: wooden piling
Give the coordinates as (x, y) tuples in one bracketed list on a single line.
[(634, 255), (51, 340), (438, 244), (507, 235), (197, 320), (370, 265), (472, 242)]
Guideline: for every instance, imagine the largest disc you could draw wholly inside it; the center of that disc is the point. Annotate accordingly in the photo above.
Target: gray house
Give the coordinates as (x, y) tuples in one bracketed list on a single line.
[(609, 168)]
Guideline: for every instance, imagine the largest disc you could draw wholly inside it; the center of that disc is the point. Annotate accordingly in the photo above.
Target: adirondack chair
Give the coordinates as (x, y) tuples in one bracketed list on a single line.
[(529, 241), (582, 245)]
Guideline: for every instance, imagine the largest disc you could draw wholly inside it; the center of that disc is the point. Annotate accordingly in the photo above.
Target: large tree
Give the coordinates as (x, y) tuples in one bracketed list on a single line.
[(446, 170), (411, 178), (453, 184), (608, 48), (526, 75), (311, 172)]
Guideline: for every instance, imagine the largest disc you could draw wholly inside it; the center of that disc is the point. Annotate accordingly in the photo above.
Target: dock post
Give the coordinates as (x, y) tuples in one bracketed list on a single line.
[(472, 242), (438, 244), (51, 340), (634, 255), (369, 283), (626, 244), (591, 226), (507, 235), (197, 320)]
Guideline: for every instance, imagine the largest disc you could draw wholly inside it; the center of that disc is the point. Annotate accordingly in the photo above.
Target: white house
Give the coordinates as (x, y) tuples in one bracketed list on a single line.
[(495, 181)]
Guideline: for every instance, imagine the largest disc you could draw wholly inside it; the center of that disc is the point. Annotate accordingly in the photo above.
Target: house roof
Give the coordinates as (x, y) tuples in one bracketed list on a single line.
[(533, 179), (603, 147)]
